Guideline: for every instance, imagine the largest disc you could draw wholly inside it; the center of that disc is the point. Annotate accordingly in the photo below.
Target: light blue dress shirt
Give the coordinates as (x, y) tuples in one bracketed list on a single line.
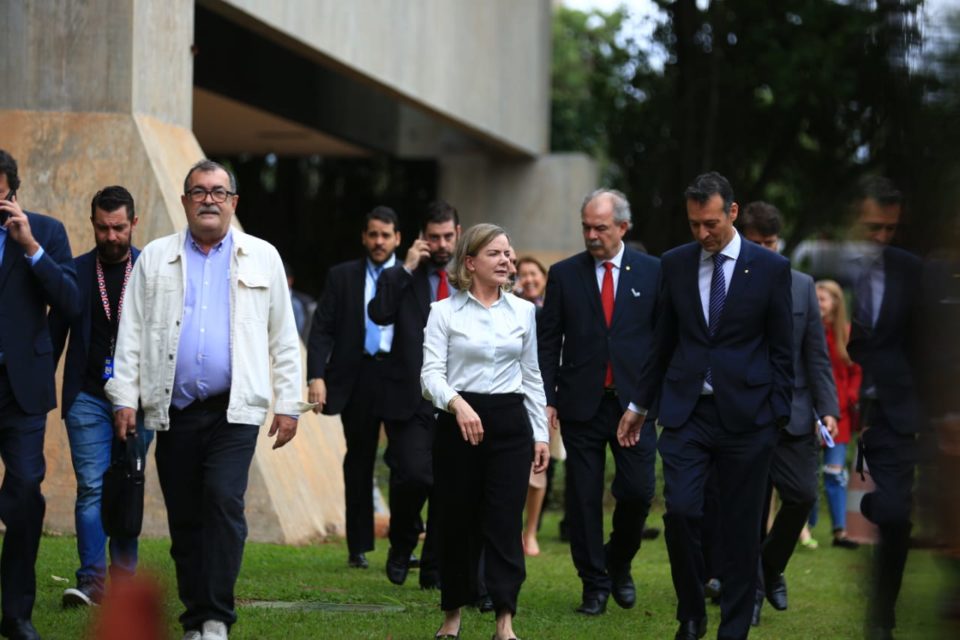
[(369, 290)]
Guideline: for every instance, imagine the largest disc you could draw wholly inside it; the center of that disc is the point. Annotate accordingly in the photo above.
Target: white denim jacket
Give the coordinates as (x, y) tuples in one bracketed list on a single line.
[(263, 334)]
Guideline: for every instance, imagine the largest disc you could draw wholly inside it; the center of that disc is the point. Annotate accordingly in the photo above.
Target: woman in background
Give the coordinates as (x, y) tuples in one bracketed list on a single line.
[(480, 370)]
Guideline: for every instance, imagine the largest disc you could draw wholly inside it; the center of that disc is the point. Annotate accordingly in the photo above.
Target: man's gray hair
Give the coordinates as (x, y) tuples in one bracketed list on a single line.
[(206, 166), (621, 206)]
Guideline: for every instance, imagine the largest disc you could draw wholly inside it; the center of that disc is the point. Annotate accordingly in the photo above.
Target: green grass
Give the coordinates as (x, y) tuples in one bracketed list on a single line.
[(825, 595)]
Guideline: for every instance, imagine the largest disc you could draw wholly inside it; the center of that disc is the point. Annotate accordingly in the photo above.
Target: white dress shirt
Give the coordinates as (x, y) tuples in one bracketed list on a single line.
[(705, 278), (602, 270), (468, 347)]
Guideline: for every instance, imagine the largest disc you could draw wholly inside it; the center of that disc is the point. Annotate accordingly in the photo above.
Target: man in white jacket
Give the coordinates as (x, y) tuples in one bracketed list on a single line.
[(206, 318)]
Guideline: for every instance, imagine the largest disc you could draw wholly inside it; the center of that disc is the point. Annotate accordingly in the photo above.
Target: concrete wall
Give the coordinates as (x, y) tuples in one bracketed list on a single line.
[(536, 201), (484, 65)]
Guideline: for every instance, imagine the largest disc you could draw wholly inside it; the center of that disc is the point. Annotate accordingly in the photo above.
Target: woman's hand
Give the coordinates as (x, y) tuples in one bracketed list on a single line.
[(468, 420), (541, 456)]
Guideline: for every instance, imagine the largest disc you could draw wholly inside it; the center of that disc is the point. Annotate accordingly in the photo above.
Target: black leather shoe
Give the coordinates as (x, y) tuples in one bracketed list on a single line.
[(594, 604), (485, 603), (776, 588), (692, 629), (757, 606), (878, 633), (18, 629), (650, 533), (398, 565), (624, 592), (429, 580), (358, 561)]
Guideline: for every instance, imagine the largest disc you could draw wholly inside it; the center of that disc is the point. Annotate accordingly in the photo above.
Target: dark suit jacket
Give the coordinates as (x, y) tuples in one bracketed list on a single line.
[(887, 352), (574, 342), (75, 368), (751, 356), (403, 300), (335, 345), (25, 293), (813, 385)]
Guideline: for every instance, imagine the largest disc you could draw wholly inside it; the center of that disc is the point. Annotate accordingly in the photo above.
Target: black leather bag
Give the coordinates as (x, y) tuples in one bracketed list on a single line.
[(121, 507)]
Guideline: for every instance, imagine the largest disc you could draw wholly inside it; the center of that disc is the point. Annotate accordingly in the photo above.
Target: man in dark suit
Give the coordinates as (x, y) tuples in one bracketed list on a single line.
[(102, 276), (404, 294), (793, 472), (721, 366), (345, 358), (595, 329), (36, 270), (883, 342)]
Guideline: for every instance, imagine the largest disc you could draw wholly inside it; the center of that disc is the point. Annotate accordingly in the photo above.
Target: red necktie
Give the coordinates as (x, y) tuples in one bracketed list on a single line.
[(443, 291), (606, 299)]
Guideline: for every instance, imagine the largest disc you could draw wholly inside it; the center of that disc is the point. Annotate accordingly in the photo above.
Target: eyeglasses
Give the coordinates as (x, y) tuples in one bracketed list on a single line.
[(217, 194), (876, 227)]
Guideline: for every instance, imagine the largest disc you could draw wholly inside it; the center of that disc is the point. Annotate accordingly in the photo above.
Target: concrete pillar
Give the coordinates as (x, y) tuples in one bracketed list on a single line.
[(100, 92)]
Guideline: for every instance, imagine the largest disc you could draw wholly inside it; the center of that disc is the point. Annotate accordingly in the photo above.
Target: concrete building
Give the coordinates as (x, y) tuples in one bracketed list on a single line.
[(133, 92)]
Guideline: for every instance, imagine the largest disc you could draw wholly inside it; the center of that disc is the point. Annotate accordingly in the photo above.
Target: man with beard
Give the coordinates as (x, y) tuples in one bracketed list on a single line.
[(345, 358), (404, 294), (36, 271), (594, 331), (102, 274)]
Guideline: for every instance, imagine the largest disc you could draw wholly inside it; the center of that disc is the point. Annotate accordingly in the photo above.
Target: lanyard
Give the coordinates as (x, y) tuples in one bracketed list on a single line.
[(102, 285)]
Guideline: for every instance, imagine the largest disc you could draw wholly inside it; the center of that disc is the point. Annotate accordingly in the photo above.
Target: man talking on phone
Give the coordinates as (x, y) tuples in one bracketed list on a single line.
[(36, 271), (404, 294)]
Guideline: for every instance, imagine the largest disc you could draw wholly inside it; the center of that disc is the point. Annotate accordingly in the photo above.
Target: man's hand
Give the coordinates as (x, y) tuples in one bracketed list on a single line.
[(317, 393), (284, 427), (417, 253), (552, 418), (628, 431), (831, 424), (18, 226), (469, 421), (541, 456), (124, 422)]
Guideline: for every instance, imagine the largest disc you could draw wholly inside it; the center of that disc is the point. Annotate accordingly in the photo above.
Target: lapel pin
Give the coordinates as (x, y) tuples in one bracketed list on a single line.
[(746, 270), (628, 269), (636, 294)]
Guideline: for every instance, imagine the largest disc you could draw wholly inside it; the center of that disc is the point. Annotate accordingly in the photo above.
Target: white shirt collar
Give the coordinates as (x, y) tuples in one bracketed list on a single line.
[(392, 260), (616, 260), (732, 250)]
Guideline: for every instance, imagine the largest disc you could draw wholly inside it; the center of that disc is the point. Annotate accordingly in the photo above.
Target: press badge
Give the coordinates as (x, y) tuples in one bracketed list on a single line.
[(107, 368)]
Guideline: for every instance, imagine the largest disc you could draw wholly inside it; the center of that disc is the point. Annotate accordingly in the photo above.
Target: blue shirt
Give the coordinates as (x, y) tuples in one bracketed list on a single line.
[(369, 289), (203, 354), (33, 260)]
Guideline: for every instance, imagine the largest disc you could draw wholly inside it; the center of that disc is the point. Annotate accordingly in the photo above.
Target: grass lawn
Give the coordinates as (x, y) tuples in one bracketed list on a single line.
[(825, 595)]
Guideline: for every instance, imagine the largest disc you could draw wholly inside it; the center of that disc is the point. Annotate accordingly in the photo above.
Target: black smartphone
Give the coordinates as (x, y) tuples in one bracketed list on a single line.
[(4, 214)]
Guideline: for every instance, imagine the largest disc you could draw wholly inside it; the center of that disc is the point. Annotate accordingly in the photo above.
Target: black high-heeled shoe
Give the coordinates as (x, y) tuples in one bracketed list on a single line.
[(447, 636)]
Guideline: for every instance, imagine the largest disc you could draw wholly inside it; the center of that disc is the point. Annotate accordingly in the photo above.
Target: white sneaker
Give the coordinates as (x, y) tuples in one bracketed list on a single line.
[(214, 630), (192, 635)]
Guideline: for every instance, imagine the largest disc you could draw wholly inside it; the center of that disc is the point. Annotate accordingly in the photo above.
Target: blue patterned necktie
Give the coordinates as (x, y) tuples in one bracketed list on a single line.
[(371, 343), (718, 295)]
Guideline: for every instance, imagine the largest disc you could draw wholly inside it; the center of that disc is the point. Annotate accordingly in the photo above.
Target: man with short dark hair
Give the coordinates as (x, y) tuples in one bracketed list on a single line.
[(206, 322), (345, 360), (594, 331), (721, 372), (36, 271), (793, 471), (103, 275), (404, 294), (883, 341)]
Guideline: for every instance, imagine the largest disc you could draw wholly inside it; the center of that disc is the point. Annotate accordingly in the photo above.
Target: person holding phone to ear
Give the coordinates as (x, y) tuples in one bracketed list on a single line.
[(36, 271)]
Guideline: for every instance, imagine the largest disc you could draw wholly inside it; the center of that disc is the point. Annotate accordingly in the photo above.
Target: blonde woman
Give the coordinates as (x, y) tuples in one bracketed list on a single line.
[(480, 370)]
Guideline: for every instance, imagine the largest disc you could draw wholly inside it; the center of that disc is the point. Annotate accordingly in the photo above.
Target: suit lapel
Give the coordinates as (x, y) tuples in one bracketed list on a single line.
[(358, 283), (892, 290), (626, 286), (741, 273), (421, 289), (588, 275), (10, 252), (693, 277)]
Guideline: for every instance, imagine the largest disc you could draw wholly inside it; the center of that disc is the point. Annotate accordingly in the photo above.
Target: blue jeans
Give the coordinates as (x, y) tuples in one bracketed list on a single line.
[(90, 430), (835, 487)]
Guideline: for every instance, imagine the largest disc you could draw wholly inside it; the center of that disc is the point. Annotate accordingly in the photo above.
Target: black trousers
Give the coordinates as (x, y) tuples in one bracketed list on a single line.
[(22, 506), (361, 429), (633, 487), (409, 455), (892, 459), (481, 490), (793, 473), (711, 541), (203, 463), (742, 462)]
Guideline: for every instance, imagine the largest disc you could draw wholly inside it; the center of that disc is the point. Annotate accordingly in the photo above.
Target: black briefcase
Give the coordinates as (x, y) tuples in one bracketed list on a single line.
[(121, 507)]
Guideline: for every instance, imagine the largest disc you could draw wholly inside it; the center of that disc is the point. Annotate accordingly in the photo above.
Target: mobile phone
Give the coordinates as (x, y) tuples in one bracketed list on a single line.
[(5, 214)]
